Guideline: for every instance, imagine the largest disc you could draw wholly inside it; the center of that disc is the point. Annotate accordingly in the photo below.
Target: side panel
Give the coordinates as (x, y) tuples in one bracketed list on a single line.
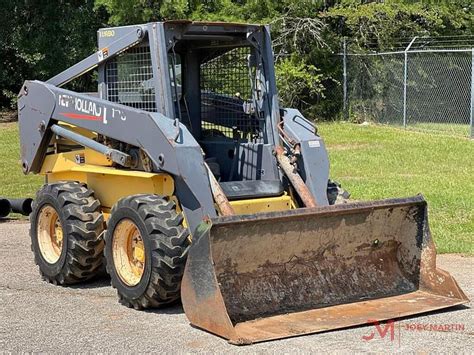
[(109, 184), (314, 161)]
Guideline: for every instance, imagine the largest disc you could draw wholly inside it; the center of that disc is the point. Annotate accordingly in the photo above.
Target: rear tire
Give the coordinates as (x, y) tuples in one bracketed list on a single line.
[(336, 194), (67, 233), (145, 249)]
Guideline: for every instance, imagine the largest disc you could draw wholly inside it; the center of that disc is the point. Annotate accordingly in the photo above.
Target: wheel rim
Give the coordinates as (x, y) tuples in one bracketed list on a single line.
[(50, 234), (128, 252)]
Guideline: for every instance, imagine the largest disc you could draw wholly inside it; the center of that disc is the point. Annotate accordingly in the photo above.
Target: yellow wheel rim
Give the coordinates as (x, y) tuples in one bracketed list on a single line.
[(128, 252), (50, 234)]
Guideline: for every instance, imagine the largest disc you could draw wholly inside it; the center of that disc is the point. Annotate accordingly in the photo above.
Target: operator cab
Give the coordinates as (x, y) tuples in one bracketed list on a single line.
[(219, 89)]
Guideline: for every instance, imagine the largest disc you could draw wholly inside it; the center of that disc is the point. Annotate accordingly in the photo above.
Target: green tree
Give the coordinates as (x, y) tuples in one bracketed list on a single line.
[(380, 25), (39, 39), (298, 82)]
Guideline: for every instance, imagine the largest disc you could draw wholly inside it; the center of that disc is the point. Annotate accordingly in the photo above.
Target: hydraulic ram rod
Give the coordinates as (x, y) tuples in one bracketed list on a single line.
[(219, 196), (113, 154), (295, 178)]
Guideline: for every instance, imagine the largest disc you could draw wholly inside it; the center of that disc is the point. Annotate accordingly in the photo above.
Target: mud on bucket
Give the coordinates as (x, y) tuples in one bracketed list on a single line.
[(274, 275)]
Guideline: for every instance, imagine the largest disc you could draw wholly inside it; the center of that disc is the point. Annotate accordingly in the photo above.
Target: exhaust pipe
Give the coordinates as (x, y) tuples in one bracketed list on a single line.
[(21, 205), (5, 207)]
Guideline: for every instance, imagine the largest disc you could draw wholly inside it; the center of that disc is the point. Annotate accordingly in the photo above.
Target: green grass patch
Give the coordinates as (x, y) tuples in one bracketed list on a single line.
[(372, 162), (375, 162), (462, 130), (13, 183)]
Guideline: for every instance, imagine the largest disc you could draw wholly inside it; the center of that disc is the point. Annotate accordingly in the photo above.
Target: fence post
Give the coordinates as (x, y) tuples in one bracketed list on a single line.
[(472, 94), (345, 105), (405, 75)]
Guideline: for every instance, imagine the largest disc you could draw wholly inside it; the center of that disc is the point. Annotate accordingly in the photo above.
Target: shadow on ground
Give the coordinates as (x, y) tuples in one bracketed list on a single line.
[(104, 281), (97, 282)]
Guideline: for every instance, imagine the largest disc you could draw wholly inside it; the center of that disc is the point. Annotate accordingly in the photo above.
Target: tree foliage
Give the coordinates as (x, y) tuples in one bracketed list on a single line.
[(38, 39), (379, 25), (298, 82)]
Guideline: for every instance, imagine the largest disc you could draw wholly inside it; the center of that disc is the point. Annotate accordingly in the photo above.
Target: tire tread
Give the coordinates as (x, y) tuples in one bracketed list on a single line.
[(169, 245), (84, 228)]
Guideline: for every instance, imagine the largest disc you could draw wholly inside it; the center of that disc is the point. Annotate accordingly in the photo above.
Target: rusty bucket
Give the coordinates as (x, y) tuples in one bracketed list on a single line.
[(273, 275)]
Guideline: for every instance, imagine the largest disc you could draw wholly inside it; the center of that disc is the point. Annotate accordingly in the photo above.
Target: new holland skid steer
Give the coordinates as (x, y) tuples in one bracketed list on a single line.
[(185, 177)]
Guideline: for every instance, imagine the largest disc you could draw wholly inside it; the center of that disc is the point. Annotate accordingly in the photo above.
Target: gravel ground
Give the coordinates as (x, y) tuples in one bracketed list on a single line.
[(36, 316)]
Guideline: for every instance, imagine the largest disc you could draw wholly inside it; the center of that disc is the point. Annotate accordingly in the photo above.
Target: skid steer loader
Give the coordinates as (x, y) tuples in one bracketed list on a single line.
[(188, 178)]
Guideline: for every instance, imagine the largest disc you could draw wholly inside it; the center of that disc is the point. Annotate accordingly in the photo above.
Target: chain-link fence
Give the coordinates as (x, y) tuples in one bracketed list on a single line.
[(422, 88)]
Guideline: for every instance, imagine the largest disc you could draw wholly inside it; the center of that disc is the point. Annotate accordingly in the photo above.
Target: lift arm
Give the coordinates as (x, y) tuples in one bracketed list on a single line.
[(167, 142)]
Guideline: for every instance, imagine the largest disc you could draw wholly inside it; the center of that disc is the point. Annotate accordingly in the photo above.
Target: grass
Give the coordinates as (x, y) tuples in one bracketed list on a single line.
[(372, 162), (462, 130), (375, 162), (12, 181)]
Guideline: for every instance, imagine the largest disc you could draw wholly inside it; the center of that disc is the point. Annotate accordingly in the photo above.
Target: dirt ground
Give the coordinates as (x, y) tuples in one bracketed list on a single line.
[(39, 317)]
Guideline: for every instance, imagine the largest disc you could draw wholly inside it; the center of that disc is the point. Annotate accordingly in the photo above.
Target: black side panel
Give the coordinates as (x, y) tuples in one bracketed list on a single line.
[(235, 190)]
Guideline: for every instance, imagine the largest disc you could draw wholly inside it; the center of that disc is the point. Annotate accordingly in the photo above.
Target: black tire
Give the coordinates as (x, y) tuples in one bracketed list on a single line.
[(166, 243), (78, 211), (336, 194)]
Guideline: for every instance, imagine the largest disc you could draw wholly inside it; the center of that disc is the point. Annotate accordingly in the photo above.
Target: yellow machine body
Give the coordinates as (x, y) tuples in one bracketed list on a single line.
[(111, 184)]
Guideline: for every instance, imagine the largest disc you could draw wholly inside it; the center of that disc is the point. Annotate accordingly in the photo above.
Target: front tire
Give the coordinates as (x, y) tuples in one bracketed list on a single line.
[(145, 249), (66, 233)]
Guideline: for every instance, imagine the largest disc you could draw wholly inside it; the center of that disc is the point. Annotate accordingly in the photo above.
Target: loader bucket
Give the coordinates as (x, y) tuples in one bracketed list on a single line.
[(273, 275)]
